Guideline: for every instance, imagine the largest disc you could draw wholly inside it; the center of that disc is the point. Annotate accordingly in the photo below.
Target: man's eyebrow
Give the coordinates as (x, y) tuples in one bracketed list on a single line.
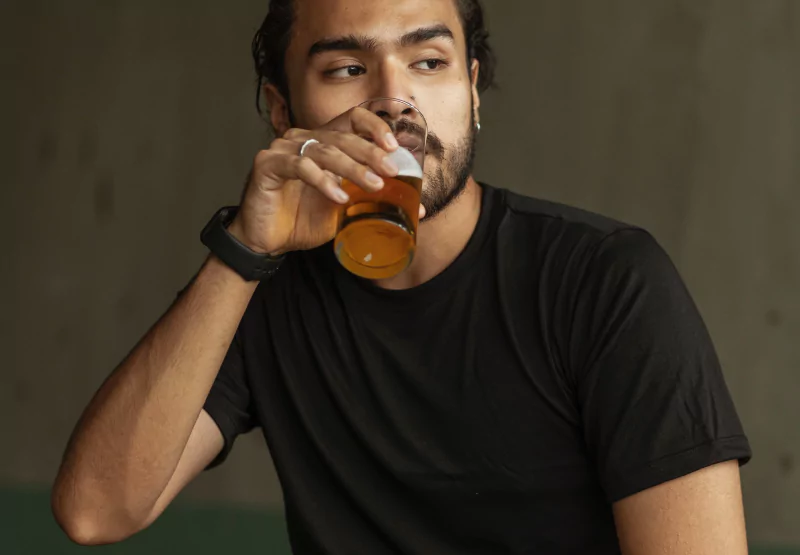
[(349, 42), (424, 34), (370, 44)]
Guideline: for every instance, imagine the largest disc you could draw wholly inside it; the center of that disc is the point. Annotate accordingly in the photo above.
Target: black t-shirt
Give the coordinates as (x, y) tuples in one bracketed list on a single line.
[(558, 365)]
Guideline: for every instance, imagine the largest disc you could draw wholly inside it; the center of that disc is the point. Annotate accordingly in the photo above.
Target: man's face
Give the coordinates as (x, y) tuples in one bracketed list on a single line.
[(344, 52)]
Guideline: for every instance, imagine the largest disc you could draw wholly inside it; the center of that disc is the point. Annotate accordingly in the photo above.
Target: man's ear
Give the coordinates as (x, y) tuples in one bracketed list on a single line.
[(278, 110), (474, 72)]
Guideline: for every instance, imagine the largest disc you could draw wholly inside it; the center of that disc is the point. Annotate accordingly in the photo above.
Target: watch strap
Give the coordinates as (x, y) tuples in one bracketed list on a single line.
[(252, 266)]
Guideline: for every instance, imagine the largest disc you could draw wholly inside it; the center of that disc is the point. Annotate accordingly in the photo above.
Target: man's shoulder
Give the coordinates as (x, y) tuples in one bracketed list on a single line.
[(561, 236), (578, 220)]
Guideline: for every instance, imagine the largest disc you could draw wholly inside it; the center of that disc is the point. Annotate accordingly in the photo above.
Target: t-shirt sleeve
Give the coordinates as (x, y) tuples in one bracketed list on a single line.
[(653, 400), (228, 402)]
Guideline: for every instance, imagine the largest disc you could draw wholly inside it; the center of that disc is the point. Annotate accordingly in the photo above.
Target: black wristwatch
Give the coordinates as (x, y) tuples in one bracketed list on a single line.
[(252, 266)]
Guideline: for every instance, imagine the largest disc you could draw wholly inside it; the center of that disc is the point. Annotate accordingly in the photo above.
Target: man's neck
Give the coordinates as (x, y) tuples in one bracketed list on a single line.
[(441, 240)]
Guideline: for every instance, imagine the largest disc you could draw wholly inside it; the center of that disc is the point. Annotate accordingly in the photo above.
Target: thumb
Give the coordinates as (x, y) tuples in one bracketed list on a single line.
[(421, 212)]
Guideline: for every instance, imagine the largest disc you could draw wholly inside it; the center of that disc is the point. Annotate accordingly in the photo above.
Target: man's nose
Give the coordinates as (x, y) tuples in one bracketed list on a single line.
[(391, 109)]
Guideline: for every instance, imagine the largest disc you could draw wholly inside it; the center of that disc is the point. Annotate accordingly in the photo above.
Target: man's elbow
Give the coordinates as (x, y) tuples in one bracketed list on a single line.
[(85, 532), (87, 529)]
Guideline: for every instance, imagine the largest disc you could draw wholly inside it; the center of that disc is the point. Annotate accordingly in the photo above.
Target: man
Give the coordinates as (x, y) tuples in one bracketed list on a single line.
[(538, 380)]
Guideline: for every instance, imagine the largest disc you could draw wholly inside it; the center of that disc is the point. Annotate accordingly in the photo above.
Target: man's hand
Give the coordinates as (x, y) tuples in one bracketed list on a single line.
[(292, 201), (698, 514)]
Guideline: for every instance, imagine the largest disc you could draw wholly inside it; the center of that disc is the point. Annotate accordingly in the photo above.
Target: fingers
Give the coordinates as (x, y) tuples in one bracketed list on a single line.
[(344, 154), (357, 148), (329, 157), (322, 168), (358, 121), (278, 167), (353, 146), (367, 124), (361, 151)]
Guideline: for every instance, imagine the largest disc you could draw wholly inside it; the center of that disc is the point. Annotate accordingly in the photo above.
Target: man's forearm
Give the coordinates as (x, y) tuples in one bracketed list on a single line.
[(131, 436)]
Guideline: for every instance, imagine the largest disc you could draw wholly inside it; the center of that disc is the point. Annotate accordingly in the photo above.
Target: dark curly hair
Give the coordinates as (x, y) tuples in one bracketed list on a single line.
[(272, 40)]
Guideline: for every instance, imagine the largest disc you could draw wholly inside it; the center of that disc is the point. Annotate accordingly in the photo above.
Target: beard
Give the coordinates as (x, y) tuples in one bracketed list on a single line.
[(448, 181)]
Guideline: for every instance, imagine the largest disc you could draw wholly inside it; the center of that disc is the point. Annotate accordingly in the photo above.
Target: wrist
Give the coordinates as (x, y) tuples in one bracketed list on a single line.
[(229, 244), (236, 230)]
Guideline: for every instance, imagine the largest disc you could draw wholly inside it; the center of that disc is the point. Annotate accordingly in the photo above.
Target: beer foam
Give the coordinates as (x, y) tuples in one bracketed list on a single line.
[(409, 167)]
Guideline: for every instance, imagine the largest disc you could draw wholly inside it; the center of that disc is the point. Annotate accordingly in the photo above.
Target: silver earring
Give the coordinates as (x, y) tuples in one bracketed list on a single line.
[(478, 126)]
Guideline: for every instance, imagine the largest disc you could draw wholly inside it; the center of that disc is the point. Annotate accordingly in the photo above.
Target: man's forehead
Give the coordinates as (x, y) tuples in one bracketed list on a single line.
[(382, 19)]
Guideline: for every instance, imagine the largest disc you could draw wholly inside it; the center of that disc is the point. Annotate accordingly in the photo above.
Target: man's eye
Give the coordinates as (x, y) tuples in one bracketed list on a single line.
[(346, 71), (430, 65)]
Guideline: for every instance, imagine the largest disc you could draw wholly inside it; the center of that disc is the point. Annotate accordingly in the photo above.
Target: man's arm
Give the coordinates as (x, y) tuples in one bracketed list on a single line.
[(658, 419), (120, 463), (131, 452), (700, 513)]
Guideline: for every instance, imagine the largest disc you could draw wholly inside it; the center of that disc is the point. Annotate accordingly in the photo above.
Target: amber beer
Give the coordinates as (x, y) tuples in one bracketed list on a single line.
[(377, 232)]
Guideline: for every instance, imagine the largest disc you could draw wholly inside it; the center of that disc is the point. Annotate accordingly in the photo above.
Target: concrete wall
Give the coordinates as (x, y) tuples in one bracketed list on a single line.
[(124, 125)]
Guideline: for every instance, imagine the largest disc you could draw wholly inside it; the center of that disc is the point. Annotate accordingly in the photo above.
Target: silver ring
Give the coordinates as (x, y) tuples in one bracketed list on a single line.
[(306, 145)]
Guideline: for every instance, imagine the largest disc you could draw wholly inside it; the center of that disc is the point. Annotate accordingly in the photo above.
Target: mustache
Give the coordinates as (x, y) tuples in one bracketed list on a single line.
[(434, 145)]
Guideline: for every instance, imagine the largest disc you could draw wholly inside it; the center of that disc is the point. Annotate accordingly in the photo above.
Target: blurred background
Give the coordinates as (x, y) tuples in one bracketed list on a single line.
[(126, 124)]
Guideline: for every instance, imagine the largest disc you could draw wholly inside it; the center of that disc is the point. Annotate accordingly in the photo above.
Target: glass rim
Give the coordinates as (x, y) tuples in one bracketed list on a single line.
[(410, 105)]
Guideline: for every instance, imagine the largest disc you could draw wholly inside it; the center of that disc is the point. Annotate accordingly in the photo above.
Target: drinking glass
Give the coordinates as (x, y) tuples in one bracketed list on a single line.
[(377, 231)]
